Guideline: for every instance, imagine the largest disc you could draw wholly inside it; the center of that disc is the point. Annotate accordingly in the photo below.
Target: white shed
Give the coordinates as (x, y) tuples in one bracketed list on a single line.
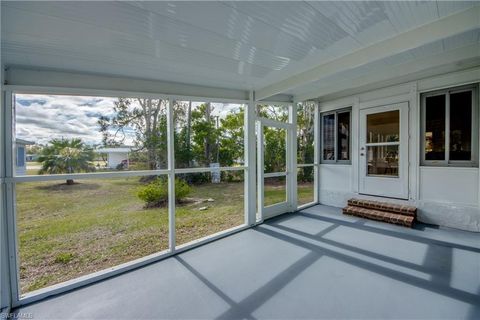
[(116, 156)]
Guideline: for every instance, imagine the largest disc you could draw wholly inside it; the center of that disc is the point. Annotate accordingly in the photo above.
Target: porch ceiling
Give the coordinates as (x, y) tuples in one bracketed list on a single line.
[(237, 45)]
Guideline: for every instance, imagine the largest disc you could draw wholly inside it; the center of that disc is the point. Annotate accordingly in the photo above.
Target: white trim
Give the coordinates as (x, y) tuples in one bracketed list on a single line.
[(249, 159), (275, 174), (260, 171), (25, 76), (303, 165), (208, 169), (273, 103), (20, 89), (274, 123), (171, 177)]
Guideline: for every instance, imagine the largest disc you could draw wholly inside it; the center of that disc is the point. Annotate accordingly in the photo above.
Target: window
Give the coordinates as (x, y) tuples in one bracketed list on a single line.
[(335, 140), (449, 122)]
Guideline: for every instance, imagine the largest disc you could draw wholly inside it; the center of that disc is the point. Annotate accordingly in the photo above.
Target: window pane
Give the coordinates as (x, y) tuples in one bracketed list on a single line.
[(275, 154), (461, 126), (305, 180), (208, 134), (209, 203), (275, 191), (305, 132), (383, 127), (73, 134), (272, 111), (343, 136), (328, 137), (66, 231), (382, 160), (435, 128)]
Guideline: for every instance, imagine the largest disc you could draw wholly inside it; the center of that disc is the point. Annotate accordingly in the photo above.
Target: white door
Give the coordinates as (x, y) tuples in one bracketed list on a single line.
[(383, 154), (274, 168)]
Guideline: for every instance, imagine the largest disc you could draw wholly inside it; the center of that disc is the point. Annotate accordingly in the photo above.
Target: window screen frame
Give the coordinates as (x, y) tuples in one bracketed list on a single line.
[(473, 162), (335, 142)]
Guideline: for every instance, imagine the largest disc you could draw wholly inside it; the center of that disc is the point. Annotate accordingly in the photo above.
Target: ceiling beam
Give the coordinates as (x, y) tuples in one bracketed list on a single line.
[(440, 29), (391, 75)]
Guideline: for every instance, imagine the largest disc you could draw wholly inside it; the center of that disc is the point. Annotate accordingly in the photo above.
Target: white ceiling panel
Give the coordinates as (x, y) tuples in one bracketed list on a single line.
[(241, 45)]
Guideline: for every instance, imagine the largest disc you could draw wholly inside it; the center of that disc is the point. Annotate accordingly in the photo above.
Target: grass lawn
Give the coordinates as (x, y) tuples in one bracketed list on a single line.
[(69, 231)]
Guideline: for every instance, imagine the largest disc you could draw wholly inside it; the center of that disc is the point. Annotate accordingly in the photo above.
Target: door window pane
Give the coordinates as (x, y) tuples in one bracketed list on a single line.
[(275, 191), (382, 160), (275, 149), (329, 137), (435, 128), (461, 126), (343, 136), (383, 127)]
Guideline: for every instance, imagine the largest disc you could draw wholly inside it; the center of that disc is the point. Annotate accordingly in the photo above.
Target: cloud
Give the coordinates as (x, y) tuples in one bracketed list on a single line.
[(40, 118)]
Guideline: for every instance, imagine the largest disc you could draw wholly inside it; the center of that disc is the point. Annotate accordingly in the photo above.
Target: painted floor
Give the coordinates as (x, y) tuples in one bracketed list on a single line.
[(314, 264)]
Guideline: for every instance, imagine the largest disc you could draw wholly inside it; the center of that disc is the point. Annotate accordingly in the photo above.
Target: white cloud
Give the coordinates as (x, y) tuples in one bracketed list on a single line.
[(40, 118)]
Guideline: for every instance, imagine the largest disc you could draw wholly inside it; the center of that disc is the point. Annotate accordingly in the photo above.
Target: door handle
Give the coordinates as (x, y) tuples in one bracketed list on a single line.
[(362, 154)]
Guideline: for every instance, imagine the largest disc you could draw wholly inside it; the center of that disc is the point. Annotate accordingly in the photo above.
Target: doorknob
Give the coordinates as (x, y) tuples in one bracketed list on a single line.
[(362, 154)]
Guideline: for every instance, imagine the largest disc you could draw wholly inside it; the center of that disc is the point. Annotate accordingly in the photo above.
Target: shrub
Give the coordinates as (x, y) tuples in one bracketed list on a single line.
[(155, 194)]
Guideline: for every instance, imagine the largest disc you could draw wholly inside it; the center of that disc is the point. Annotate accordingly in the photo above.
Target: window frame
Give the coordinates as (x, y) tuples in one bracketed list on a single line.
[(473, 162), (335, 142)]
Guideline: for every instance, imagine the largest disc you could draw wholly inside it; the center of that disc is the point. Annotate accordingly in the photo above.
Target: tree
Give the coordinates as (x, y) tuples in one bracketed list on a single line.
[(148, 119), (66, 156)]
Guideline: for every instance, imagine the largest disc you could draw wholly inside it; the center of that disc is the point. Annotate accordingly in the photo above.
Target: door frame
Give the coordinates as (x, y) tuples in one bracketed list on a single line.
[(404, 160), (266, 212)]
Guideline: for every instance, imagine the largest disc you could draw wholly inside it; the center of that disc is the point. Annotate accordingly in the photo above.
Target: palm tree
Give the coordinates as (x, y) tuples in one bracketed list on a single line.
[(66, 156)]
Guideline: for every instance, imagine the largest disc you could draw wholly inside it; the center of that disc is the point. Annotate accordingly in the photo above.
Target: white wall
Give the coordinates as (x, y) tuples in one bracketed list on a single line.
[(114, 159), (446, 196)]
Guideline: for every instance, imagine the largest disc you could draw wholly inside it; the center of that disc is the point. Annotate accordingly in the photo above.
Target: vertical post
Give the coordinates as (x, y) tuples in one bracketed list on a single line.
[(260, 171), (250, 162), (5, 292), (292, 157), (171, 176), (10, 214), (316, 153)]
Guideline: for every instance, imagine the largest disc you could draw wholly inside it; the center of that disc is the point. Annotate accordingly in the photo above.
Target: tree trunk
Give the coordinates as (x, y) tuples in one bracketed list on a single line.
[(70, 182)]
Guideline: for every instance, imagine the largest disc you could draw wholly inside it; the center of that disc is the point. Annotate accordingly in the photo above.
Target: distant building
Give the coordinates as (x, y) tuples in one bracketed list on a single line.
[(21, 156), (116, 156)]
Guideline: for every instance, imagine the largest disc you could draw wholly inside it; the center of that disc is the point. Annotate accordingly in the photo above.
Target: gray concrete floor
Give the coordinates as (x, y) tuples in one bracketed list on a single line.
[(314, 264)]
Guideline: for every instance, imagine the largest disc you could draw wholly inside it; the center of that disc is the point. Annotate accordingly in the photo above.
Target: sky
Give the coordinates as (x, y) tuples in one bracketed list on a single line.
[(40, 118)]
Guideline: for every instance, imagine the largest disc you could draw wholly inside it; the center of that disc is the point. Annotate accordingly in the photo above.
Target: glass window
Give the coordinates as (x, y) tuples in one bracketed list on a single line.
[(305, 132), (329, 137), (66, 231), (75, 134), (435, 128), (208, 134), (209, 203), (343, 136), (335, 139), (273, 112), (461, 126), (449, 125)]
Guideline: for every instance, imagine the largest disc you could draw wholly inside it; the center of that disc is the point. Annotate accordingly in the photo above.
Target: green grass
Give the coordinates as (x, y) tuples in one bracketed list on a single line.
[(69, 231)]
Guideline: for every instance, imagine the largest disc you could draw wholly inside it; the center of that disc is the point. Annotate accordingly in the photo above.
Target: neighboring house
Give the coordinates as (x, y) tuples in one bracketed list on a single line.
[(21, 156), (116, 155)]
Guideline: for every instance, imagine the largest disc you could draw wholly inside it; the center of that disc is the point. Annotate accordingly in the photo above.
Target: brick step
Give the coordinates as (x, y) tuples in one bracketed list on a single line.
[(390, 217), (384, 206)]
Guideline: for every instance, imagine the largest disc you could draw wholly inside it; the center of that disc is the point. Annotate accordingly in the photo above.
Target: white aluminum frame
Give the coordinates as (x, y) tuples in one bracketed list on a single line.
[(473, 162), (289, 205), (10, 180), (315, 164)]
